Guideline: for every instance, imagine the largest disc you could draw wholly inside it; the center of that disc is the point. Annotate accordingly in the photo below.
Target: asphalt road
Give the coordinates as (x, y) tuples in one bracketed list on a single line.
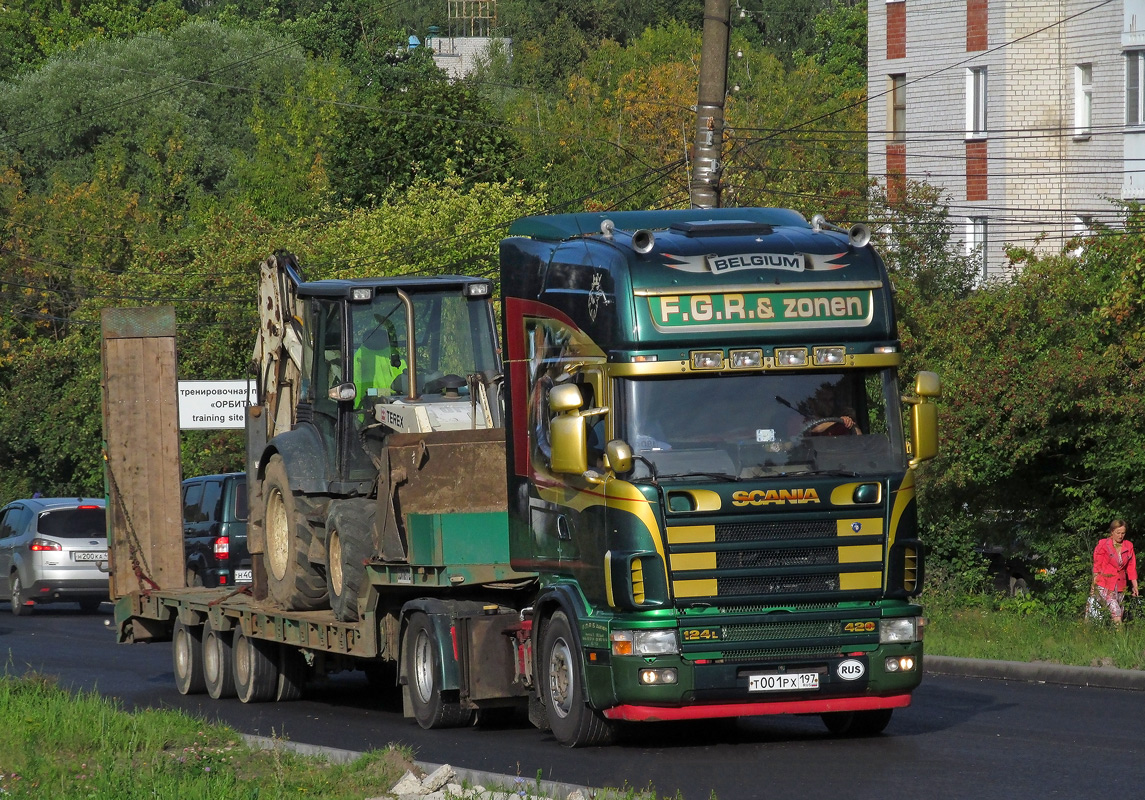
[(962, 737)]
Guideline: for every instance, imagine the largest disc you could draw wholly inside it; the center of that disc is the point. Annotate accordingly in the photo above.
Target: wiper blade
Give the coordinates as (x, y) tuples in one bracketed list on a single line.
[(831, 473), (717, 476)]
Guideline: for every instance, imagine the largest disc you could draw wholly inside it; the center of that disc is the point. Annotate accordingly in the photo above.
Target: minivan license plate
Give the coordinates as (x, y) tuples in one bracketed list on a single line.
[(788, 682), (242, 576), (90, 555)]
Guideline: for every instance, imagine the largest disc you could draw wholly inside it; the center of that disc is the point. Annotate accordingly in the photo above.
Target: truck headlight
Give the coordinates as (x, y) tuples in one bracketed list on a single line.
[(659, 642), (900, 630)]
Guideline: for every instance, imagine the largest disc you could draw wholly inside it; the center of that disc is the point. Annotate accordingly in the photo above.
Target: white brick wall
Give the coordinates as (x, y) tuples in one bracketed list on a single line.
[(1040, 177)]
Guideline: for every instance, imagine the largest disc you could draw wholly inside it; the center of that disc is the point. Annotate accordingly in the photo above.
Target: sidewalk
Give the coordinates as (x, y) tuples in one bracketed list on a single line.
[(1038, 672)]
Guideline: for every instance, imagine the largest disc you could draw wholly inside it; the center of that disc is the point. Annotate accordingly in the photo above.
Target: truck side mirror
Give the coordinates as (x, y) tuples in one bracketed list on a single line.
[(924, 418), (568, 429), (618, 456), (568, 433)]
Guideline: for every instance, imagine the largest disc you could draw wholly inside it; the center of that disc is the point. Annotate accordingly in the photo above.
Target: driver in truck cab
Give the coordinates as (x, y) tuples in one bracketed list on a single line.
[(378, 363)]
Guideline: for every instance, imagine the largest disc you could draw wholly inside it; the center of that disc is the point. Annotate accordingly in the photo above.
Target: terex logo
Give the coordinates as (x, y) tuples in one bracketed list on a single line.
[(760, 497)]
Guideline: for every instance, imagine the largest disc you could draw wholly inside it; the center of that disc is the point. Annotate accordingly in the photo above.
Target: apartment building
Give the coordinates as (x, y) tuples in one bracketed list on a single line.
[(1029, 114)]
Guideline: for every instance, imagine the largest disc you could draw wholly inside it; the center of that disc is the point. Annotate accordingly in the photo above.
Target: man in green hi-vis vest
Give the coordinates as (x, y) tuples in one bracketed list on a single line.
[(377, 364)]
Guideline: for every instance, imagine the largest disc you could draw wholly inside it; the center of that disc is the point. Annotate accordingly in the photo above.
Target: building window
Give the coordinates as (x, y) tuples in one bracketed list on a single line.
[(1082, 100), (1134, 84), (976, 103), (896, 107), (976, 243)]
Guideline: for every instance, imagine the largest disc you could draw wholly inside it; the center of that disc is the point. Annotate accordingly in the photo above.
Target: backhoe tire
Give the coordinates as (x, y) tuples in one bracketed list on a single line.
[(571, 720), (293, 583), (349, 542)]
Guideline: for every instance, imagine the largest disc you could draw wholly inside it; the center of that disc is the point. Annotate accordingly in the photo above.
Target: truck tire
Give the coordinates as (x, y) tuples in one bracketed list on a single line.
[(187, 657), (349, 542), (255, 668), (292, 672), (292, 581), (857, 723), (572, 722), (220, 679), (423, 673)]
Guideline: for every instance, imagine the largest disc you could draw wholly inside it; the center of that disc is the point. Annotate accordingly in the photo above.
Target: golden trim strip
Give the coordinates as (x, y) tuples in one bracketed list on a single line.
[(857, 554), (850, 581), (706, 587), (757, 288), (687, 561), (692, 534), (622, 369)]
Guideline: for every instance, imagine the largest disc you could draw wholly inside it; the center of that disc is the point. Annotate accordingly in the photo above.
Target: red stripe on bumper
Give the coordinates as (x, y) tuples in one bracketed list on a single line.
[(819, 706)]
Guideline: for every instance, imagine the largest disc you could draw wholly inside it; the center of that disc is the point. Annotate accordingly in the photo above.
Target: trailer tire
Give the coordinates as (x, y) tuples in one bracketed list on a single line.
[(349, 542), (294, 584), (572, 722), (291, 674), (857, 723), (255, 668), (220, 679), (187, 657), (423, 672)]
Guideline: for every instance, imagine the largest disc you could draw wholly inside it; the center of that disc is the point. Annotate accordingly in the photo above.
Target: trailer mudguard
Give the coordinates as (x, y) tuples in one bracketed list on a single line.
[(441, 614)]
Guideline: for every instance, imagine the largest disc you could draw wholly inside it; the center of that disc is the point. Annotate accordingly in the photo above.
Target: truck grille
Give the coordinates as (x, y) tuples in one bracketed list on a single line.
[(777, 562)]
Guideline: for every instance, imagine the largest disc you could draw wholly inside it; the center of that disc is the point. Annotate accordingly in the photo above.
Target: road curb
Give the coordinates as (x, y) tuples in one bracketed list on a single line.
[(1037, 671), (490, 780)]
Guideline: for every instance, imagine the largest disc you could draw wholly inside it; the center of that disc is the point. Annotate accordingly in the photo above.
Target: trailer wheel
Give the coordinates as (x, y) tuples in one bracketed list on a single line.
[(857, 723), (220, 679), (291, 674), (292, 581), (349, 542), (423, 671), (187, 655), (573, 723), (255, 668)]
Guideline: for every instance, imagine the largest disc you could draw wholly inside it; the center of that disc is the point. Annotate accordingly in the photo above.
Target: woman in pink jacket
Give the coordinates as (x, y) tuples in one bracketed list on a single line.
[(1114, 567)]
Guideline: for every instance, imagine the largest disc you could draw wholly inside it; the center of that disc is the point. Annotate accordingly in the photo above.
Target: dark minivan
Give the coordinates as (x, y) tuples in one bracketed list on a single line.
[(214, 530)]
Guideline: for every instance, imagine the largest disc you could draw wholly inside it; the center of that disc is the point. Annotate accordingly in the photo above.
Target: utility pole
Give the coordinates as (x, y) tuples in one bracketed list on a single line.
[(706, 158)]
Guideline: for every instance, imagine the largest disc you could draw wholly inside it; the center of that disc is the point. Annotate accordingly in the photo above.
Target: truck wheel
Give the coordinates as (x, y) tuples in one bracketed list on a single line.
[(349, 542), (255, 668), (187, 656), (573, 723), (423, 671), (220, 679), (291, 674), (292, 581), (857, 723)]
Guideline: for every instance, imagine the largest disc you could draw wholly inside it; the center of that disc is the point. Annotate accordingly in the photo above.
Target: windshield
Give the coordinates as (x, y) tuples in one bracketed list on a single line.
[(454, 338), (753, 426)]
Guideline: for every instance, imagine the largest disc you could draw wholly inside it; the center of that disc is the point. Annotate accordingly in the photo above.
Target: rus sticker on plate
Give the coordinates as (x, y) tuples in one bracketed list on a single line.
[(788, 682)]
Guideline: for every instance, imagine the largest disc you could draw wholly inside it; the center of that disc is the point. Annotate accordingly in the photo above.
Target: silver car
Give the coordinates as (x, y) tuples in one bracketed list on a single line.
[(54, 549)]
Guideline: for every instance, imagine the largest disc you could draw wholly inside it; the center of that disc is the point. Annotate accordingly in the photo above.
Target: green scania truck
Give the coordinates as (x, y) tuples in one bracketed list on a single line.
[(679, 485)]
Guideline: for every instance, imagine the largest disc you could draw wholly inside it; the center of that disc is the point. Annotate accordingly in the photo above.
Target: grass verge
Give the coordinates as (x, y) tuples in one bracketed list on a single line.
[(59, 744), (1010, 629)]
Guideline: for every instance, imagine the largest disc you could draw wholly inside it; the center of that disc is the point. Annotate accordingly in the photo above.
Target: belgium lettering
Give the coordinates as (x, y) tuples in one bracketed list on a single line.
[(734, 307)]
